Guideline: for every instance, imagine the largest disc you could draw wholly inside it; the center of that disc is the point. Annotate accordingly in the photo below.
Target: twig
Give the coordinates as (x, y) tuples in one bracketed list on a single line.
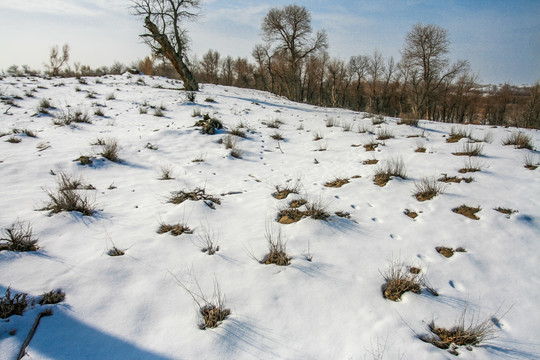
[(47, 312)]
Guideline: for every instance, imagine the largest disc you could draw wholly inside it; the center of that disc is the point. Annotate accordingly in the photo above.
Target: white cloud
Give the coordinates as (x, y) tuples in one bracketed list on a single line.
[(67, 7)]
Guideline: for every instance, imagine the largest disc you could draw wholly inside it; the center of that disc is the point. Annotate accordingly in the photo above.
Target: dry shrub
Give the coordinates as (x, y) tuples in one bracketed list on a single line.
[(84, 160), (384, 134), (109, 149), (295, 204), (370, 162), (52, 297), (398, 281), (317, 136), (371, 146), (282, 191), (394, 166), (175, 230), (468, 331), (409, 121), (277, 136), (237, 131), (377, 120), (470, 149), (411, 214), (68, 117), (317, 210), (454, 179), (209, 125), (467, 211), (471, 165), (68, 198), (12, 304), (529, 162), (506, 211), (13, 140), (277, 248), (178, 197), (236, 152), (212, 311), (427, 189), (520, 140), (289, 216), (330, 122), (19, 237), (337, 182), (445, 251), (166, 172), (458, 133), (274, 124), (208, 239)]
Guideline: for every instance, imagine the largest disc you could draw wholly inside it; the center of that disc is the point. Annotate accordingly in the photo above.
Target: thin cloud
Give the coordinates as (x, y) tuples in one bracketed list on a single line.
[(66, 7)]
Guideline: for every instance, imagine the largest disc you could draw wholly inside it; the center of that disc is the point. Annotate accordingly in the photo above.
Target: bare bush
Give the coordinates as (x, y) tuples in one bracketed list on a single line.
[(109, 149), (519, 139), (428, 188), (399, 280), (277, 248), (470, 149), (19, 237), (12, 304), (52, 297)]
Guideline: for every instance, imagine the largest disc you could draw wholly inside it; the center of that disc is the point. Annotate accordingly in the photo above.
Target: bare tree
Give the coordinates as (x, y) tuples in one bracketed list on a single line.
[(426, 49), (162, 19), (289, 29), (210, 66), (56, 61)]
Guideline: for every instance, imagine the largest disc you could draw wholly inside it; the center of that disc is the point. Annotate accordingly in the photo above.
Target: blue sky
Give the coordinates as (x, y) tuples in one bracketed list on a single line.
[(500, 38)]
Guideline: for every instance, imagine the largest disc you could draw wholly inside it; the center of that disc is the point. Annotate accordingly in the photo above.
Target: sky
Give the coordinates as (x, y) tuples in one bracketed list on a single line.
[(500, 38)]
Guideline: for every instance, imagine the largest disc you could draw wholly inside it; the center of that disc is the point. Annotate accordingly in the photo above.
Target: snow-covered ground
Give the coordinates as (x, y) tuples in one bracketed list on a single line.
[(332, 307)]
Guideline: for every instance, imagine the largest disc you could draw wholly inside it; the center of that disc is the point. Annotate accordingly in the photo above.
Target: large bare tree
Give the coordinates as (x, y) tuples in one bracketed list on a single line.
[(425, 51), (288, 29), (162, 19)]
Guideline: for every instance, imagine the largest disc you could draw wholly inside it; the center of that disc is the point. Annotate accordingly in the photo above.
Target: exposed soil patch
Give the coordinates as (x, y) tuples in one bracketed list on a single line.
[(370, 162), (337, 183), (445, 251), (411, 214), (178, 197), (454, 179)]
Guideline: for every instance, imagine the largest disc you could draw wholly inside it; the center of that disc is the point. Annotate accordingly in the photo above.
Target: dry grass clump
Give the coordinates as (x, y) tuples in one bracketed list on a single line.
[(337, 182), (454, 179), (212, 311), (277, 248), (411, 214), (158, 112), (466, 332), (19, 237), (44, 106), (317, 136), (295, 204), (377, 120), (175, 230), (277, 136), (519, 139), (52, 297), (166, 172), (290, 215), (114, 251), (427, 189), (68, 198), (237, 131), (13, 140), (282, 191), (506, 211), (99, 112), (458, 133), (317, 210), (208, 239), (471, 165), (394, 167), (12, 304), (109, 149), (84, 160), (420, 146), (398, 281), (274, 124), (529, 162), (384, 134), (236, 152), (229, 141), (65, 118), (370, 162), (470, 149), (178, 197), (330, 122), (371, 146), (467, 211)]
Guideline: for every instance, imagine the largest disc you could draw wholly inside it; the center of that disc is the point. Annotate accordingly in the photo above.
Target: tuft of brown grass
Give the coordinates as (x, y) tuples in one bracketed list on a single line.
[(52, 297), (277, 136), (411, 214), (467, 331), (393, 167), (506, 211), (445, 251), (384, 134), (427, 189), (178, 197), (68, 197), (470, 149), (19, 237), (520, 140), (175, 230), (84, 160), (454, 179), (529, 162), (295, 204), (457, 133), (12, 304), (467, 211), (290, 216), (337, 182), (282, 191), (398, 281), (277, 248), (109, 149), (371, 146), (370, 162)]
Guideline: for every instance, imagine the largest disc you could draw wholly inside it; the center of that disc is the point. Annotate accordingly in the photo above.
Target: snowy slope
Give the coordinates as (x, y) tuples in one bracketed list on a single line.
[(131, 306)]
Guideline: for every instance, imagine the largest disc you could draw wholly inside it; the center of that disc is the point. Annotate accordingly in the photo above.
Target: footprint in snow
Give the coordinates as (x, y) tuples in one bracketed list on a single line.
[(395, 237)]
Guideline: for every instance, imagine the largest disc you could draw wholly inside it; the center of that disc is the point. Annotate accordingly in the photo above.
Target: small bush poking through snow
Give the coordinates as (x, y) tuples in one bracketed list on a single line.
[(384, 134), (399, 280), (209, 125), (427, 189), (393, 167), (178, 197), (277, 248), (282, 191), (109, 149), (458, 133), (19, 237), (166, 172), (529, 163), (52, 297), (466, 332), (175, 230), (520, 140), (68, 199), (12, 304), (470, 149), (207, 239)]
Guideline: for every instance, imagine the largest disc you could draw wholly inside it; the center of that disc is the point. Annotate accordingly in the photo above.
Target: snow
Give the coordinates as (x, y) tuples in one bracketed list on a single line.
[(131, 306)]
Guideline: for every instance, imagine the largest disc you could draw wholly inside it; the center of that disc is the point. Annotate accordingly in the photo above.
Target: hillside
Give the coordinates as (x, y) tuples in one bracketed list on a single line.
[(328, 302)]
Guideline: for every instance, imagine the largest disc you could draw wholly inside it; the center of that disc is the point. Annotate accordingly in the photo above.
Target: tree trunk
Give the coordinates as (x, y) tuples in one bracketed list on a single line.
[(179, 65)]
